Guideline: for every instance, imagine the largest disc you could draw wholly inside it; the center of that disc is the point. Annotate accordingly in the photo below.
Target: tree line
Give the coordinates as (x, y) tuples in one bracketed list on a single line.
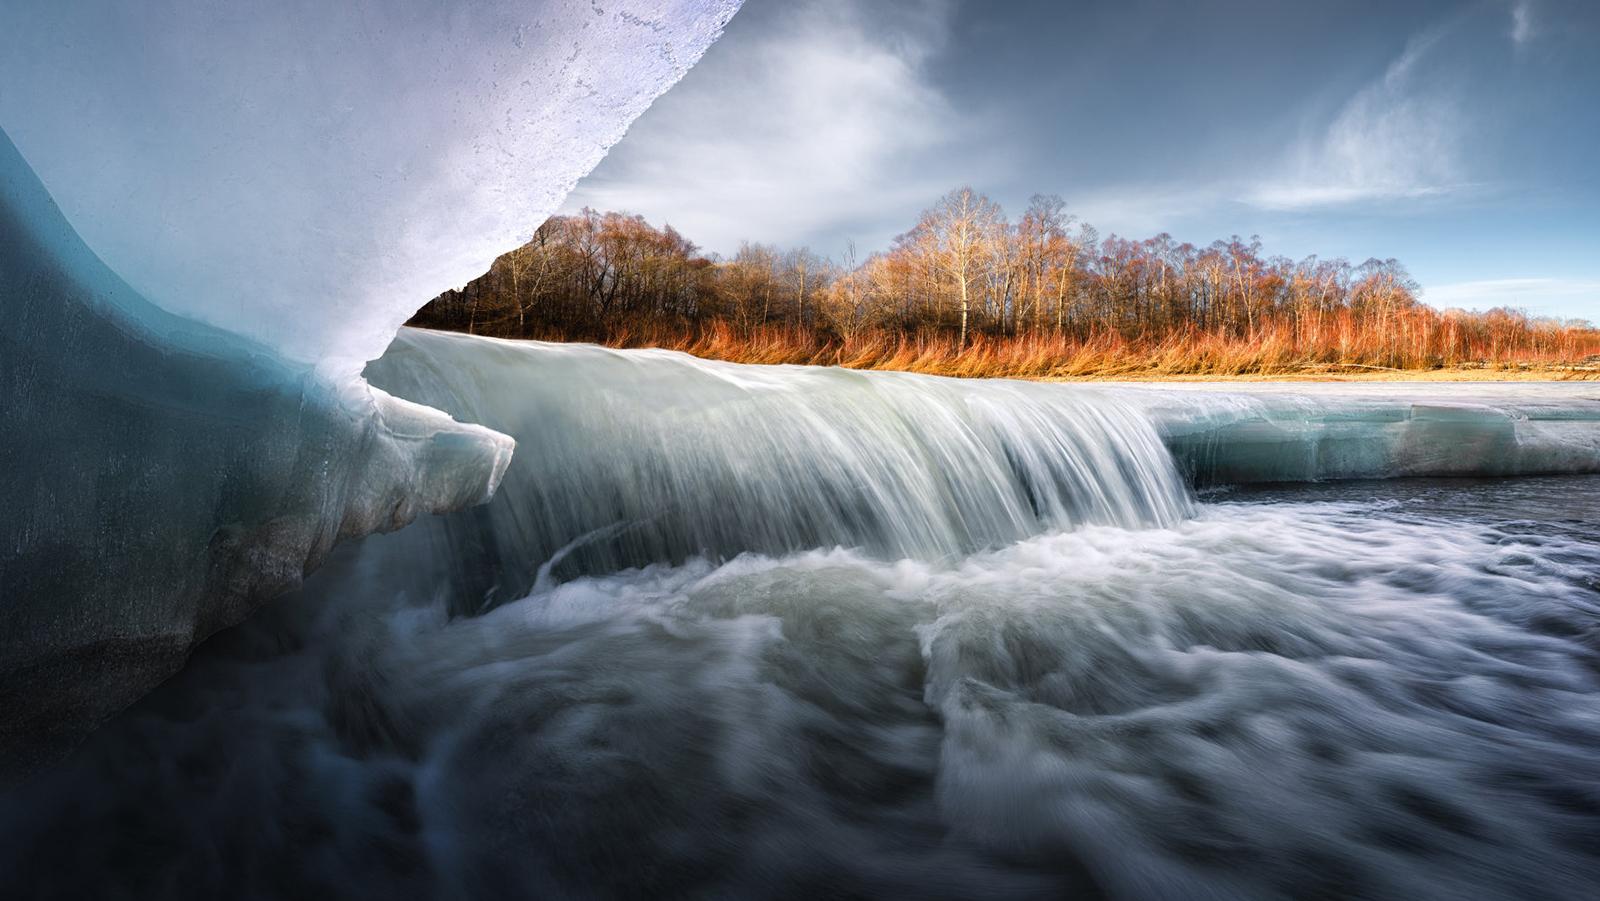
[(967, 279)]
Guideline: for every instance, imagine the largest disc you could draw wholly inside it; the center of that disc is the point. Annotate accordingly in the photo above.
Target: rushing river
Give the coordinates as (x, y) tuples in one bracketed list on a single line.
[(744, 632)]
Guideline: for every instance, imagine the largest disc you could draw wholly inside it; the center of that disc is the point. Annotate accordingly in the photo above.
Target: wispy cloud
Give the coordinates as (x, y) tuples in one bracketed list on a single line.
[(1396, 139), (814, 121), (1522, 26)]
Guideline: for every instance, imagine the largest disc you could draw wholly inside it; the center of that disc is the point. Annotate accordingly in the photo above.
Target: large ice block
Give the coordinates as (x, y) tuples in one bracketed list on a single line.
[(1260, 432), (310, 173), (268, 190), (163, 477)]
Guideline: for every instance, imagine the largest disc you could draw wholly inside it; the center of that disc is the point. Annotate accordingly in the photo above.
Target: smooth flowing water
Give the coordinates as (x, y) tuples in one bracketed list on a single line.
[(747, 632)]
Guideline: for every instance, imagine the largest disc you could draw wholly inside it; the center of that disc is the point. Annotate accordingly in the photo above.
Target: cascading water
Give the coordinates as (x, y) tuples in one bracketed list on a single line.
[(738, 631), (632, 458), (629, 458)]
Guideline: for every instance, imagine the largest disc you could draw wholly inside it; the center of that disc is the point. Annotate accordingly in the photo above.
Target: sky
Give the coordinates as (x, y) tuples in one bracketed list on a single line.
[(1461, 138)]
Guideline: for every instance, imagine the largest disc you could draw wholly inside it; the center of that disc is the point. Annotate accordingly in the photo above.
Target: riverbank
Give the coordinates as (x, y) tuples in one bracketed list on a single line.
[(1578, 373), (1207, 358)]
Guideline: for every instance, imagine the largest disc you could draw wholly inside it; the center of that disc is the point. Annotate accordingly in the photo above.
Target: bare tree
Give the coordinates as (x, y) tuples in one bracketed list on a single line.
[(963, 222), (963, 269)]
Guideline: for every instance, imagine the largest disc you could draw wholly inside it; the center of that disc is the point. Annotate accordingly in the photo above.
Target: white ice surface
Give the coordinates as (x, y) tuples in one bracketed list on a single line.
[(255, 197), (310, 173), (1290, 432)]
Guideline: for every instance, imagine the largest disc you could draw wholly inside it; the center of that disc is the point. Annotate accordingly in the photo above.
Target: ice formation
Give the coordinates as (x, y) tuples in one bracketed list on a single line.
[(310, 173), (211, 216), (1292, 433), (164, 476), (628, 458)]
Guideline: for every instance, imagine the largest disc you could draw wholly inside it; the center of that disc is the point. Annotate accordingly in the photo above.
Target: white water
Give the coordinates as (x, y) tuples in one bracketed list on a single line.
[(630, 458), (1037, 667), (633, 458)]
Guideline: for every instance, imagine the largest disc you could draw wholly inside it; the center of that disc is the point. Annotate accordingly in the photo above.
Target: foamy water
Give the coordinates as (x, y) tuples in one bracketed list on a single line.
[(1271, 699)]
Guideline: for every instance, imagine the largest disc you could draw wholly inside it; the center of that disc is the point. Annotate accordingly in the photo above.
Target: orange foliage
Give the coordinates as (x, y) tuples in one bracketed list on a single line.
[(1428, 340), (965, 292)]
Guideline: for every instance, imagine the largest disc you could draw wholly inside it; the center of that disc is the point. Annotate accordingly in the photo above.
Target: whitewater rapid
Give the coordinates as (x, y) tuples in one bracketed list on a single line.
[(1334, 699), (637, 457), (758, 632)]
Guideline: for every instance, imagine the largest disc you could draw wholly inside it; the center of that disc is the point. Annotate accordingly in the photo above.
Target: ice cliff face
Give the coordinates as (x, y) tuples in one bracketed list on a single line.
[(1264, 432), (164, 477), (281, 188)]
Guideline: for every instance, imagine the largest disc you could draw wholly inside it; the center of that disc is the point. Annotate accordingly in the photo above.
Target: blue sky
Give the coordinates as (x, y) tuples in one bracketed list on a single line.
[(1459, 137)]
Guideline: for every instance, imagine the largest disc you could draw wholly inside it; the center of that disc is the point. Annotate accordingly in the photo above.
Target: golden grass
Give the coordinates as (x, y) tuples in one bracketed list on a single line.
[(1273, 352)]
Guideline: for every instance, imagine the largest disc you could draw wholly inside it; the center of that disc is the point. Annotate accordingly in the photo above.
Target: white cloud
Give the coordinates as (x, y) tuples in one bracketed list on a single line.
[(1541, 296), (789, 132), (1396, 139), (1522, 27)]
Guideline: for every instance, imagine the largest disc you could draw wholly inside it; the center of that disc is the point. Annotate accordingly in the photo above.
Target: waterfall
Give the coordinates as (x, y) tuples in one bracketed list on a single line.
[(632, 457), (627, 458)]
